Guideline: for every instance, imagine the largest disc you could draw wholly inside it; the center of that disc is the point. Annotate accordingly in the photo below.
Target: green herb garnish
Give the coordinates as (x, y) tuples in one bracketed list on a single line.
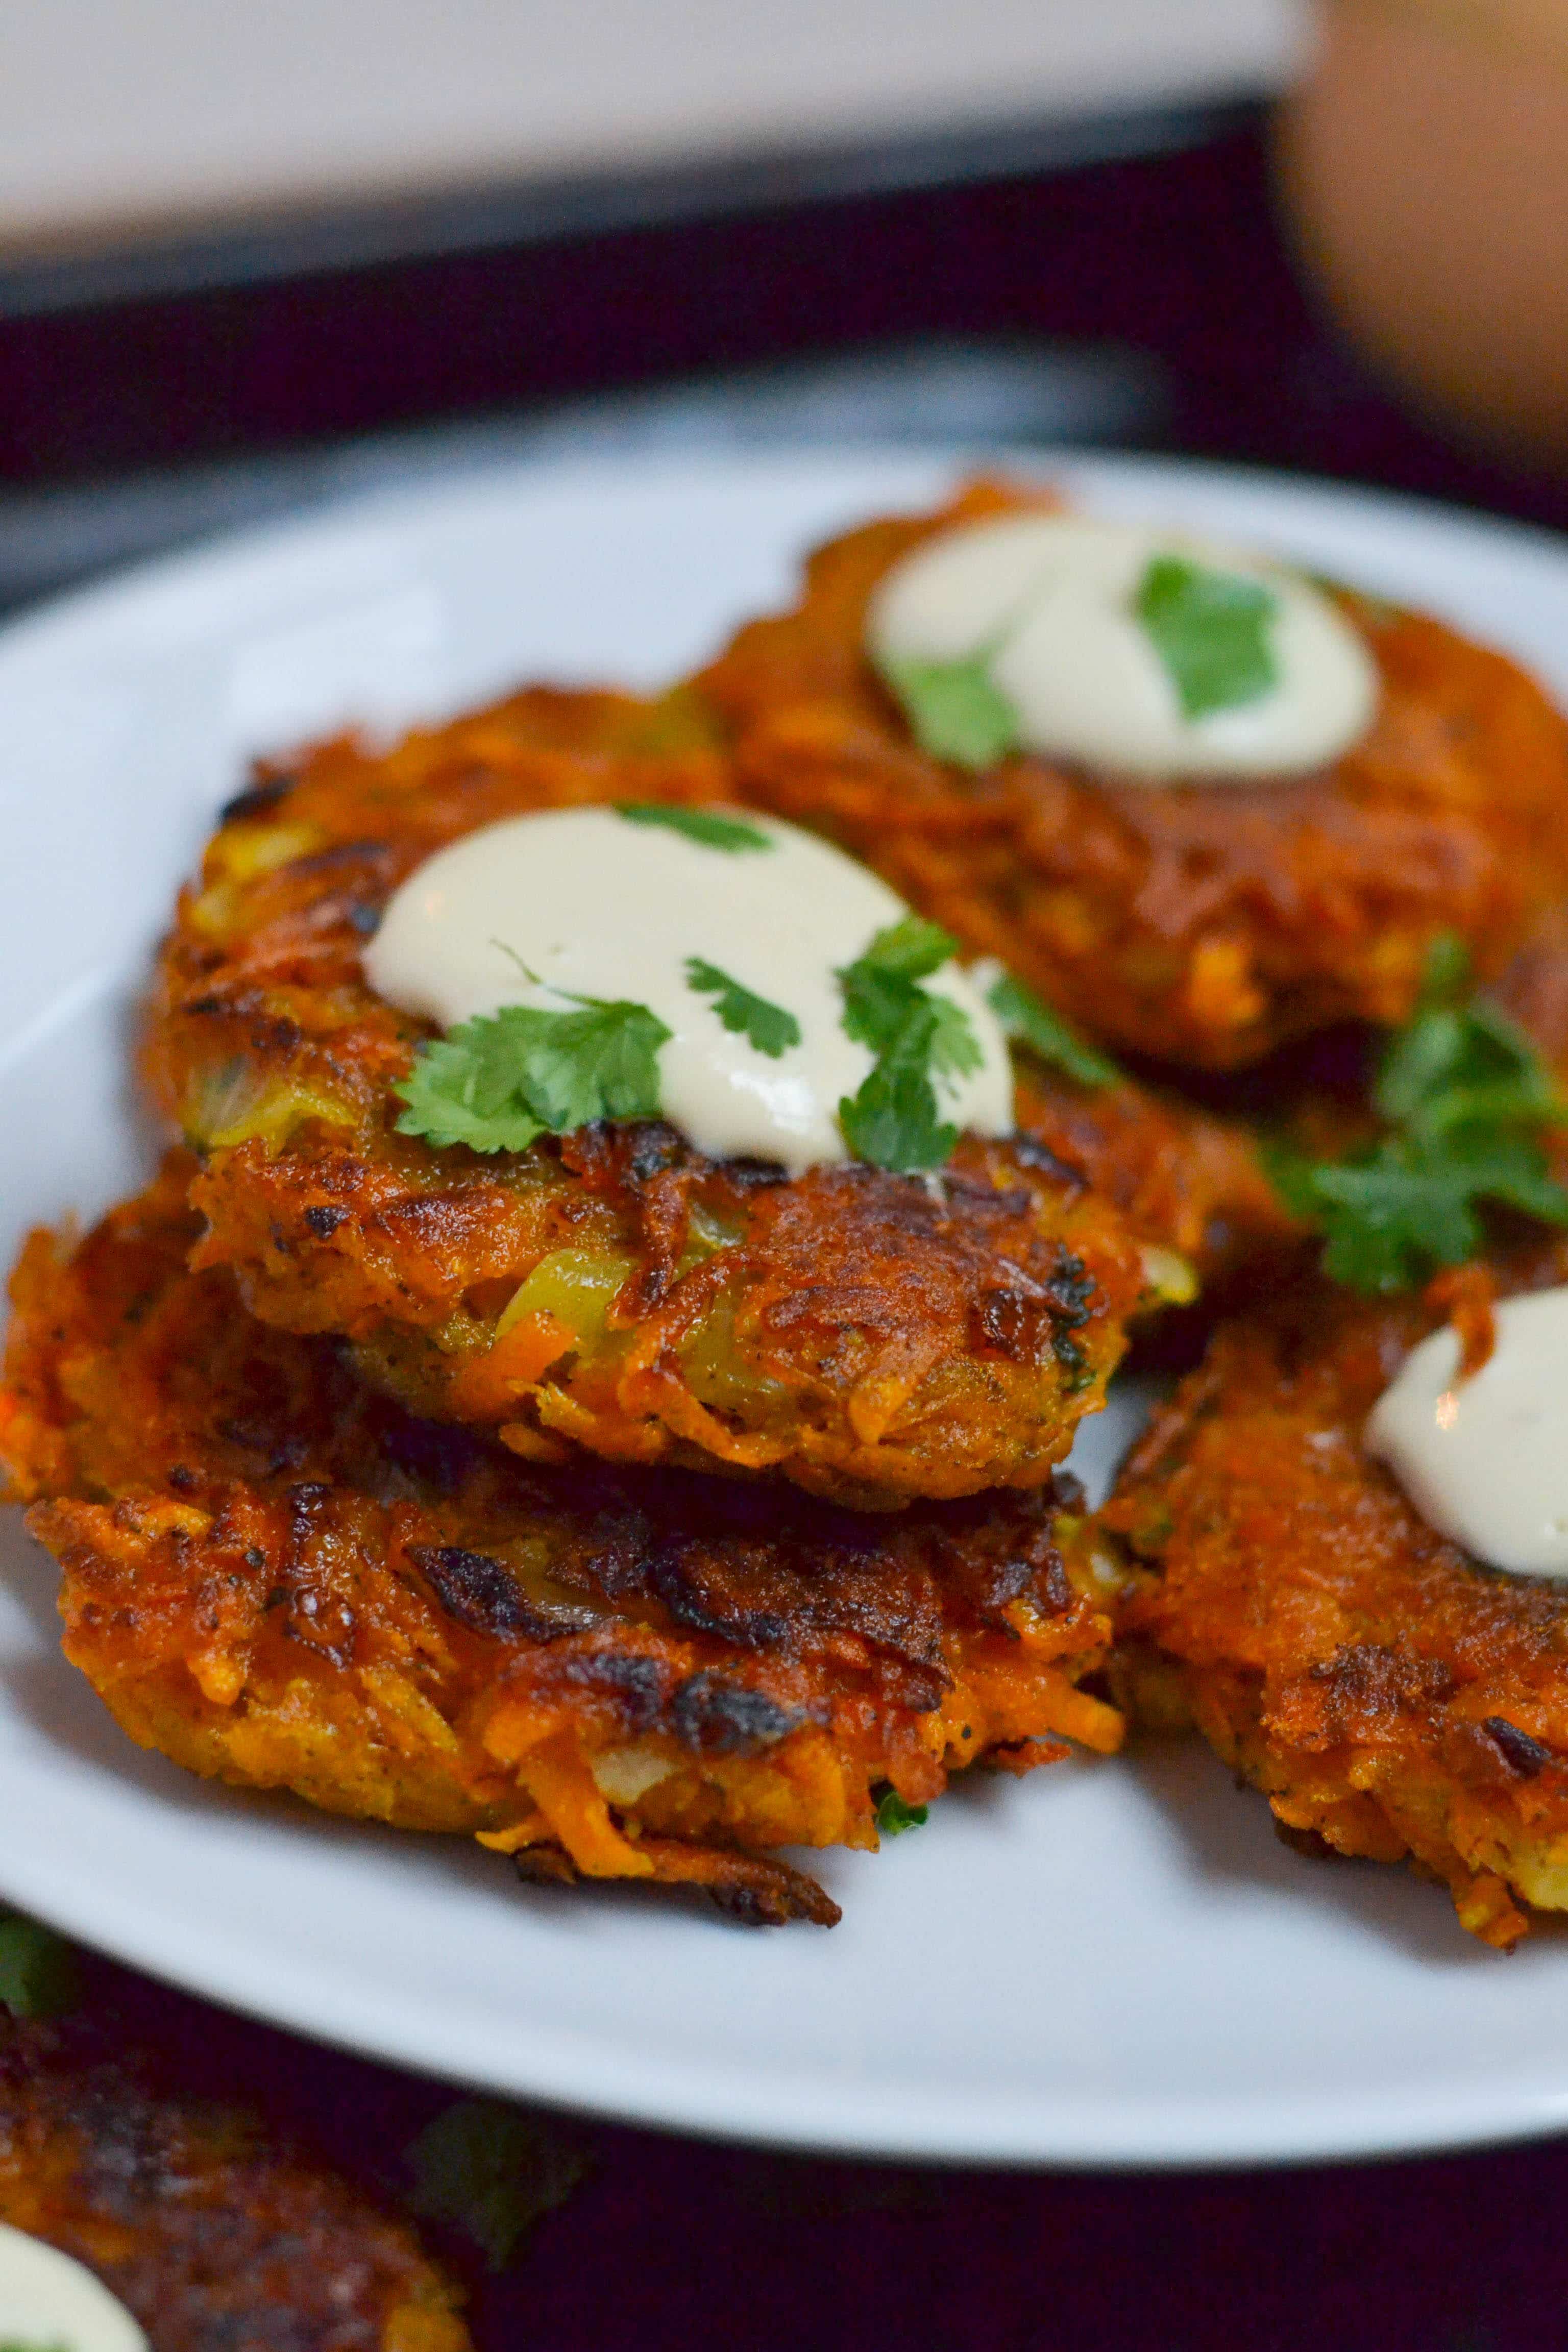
[(917, 1036), (956, 710), (1028, 1022), (1464, 1098), (894, 1817), (498, 1081), (768, 1027), (38, 1968), (707, 827), (1211, 629), (492, 2171)]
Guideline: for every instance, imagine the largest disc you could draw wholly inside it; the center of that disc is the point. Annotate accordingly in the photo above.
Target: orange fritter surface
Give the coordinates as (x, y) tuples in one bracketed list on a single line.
[(276, 1577), (1184, 1179), (867, 1335), (207, 2231), (1202, 925), (1391, 1696)]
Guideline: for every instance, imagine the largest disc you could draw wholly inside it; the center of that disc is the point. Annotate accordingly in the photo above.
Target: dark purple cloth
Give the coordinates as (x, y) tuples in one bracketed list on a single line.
[(683, 2243)]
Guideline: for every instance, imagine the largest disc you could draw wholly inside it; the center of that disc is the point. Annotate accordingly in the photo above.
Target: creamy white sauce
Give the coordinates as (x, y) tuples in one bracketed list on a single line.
[(597, 906), (47, 2299), (1486, 1462), (1053, 598)]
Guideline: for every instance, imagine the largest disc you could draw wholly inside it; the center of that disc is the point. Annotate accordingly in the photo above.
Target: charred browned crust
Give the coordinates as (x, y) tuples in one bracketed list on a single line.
[(1389, 1695), (1203, 926), (277, 1576), (867, 1335), (210, 2232)]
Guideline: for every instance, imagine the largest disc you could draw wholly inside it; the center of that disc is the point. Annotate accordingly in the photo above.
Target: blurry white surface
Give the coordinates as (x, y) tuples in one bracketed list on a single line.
[(117, 115), (1103, 1963)]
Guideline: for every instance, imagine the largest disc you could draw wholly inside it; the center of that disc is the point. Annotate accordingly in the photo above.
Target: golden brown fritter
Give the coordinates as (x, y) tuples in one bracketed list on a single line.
[(1533, 989), (210, 2234), (278, 1577), (867, 1335), (1185, 1179), (1204, 925), (1391, 1698)]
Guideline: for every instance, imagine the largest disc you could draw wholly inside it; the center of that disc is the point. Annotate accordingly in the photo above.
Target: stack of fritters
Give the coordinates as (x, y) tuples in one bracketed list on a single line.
[(645, 1513), (1392, 1695), (638, 1513)]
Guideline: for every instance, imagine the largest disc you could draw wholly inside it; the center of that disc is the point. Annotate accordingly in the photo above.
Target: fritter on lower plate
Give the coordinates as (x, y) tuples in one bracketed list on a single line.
[(870, 1335), (1390, 1696), (214, 2237), (275, 1576), (1202, 925)]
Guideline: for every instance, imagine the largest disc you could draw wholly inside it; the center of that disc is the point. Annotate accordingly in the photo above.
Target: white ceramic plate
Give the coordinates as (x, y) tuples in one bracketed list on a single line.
[(1102, 1964)]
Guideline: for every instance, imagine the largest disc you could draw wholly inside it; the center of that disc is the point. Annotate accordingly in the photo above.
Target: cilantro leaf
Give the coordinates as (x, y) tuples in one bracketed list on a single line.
[(492, 2171), (1385, 1220), (895, 1121), (768, 1027), (912, 948), (877, 988), (501, 1080), (956, 710), (1211, 629), (710, 828), (894, 1816), (38, 1968), (956, 1049), (1464, 1098), (1028, 1022)]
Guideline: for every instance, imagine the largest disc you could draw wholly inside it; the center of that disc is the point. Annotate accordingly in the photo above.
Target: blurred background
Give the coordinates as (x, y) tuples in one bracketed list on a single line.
[(253, 258)]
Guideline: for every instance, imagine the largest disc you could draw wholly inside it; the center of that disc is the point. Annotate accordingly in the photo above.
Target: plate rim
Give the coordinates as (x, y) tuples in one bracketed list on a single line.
[(557, 2066)]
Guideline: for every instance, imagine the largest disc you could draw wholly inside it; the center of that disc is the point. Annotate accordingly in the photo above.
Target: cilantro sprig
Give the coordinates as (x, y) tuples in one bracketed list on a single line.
[(768, 1027), (917, 1035), (894, 1816), (1027, 1022), (501, 1080), (957, 711), (1465, 1099), (1213, 632), (710, 828)]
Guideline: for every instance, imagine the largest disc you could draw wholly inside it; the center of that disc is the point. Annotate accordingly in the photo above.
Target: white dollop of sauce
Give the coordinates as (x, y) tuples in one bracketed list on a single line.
[(47, 2299), (1486, 1462), (1053, 599), (597, 906)]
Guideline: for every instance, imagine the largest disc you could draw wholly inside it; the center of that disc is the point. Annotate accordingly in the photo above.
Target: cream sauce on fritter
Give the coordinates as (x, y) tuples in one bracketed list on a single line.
[(1485, 1460), (1069, 617), (538, 910), (49, 2300)]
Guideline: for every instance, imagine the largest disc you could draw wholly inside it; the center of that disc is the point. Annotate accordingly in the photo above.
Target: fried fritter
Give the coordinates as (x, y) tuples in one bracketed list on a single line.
[(870, 1336), (1533, 989), (1391, 1696), (276, 1577), (210, 2234), (1205, 926), (1185, 1179)]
